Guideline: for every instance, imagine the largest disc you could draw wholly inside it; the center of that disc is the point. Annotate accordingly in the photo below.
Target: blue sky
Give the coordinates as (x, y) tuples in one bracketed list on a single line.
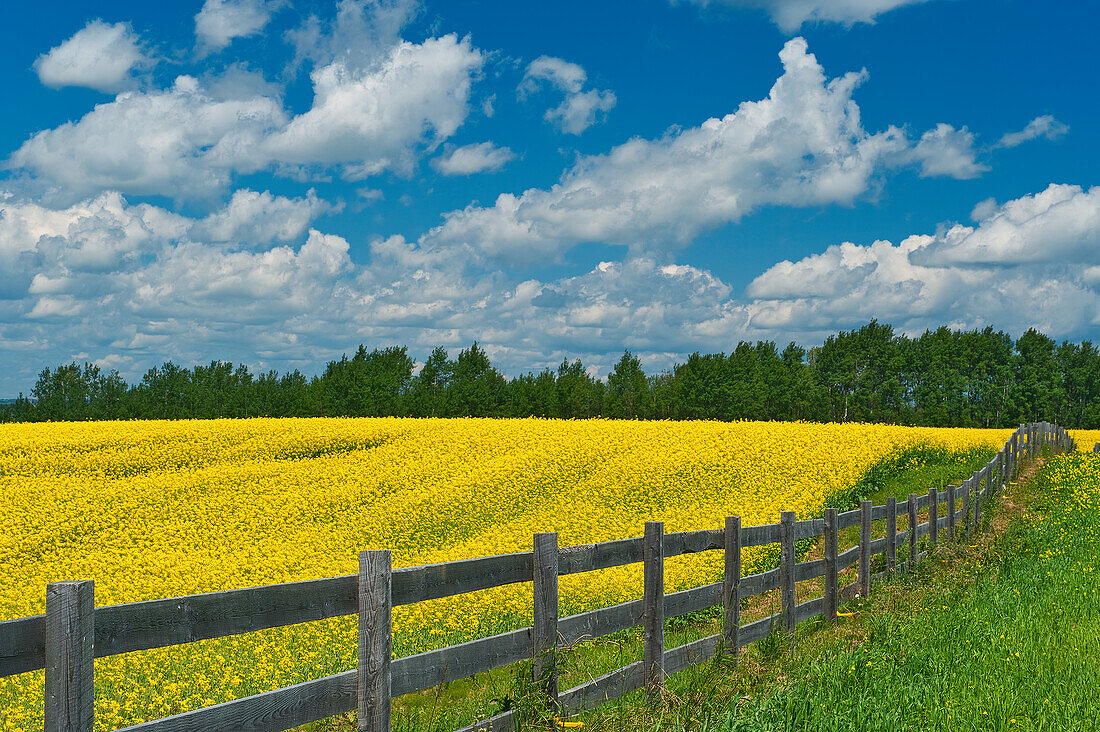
[(274, 182)]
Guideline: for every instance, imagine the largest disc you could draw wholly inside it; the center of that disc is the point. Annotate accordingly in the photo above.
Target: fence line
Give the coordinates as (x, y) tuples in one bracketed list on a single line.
[(72, 632)]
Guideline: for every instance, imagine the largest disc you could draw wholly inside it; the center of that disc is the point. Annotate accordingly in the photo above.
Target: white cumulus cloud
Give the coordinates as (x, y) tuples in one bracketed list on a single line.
[(180, 142), (945, 151), (256, 219), (1059, 224), (480, 157), (99, 56), (1042, 126), (579, 109), (188, 141), (367, 121), (1025, 263), (220, 21)]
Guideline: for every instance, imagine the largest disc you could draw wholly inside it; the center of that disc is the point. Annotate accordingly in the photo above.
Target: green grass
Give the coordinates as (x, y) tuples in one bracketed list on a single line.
[(1002, 638), (913, 471)]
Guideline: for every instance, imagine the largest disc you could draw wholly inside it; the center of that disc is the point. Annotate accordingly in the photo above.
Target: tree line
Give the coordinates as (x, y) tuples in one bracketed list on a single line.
[(976, 378)]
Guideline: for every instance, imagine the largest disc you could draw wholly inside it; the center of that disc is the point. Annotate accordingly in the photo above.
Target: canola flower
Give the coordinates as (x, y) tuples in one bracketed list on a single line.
[(161, 509)]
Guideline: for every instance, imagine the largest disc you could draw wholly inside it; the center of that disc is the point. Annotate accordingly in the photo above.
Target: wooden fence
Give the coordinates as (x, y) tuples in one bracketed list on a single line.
[(73, 631)]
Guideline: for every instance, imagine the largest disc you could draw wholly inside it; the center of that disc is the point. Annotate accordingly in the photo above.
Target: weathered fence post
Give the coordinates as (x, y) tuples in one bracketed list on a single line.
[(375, 649), (830, 564), (968, 496), (70, 634), (787, 560), (1010, 458), (978, 500), (731, 588), (913, 521), (891, 534), (653, 604), (951, 513), (865, 547), (933, 516), (545, 648)]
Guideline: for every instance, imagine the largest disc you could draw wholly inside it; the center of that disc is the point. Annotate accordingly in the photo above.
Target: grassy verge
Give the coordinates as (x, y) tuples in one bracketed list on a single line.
[(1001, 635)]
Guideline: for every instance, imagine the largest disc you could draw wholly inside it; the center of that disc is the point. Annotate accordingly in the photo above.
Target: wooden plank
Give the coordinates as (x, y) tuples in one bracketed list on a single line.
[(375, 641), (692, 600), (502, 722), (968, 509), (787, 562), (544, 649), (731, 586), (847, 558), (865, 547), (272, 711), (913, 522), (830, 564), (653, 610), (878, 513), (848, 519), (759, 583), (691, 654), (759, 535), (22, 645), (879, 545), (809, 570), (809, 609), (891, 534), (70, 634), (433, 581), (977, 501), (600, 622), (170, 621), (951, 513), (425, 670), (933, 515), (610, 686), (589, 557), (849, 591), (752, 632), (691, 542), (923, 529), (808, 529)]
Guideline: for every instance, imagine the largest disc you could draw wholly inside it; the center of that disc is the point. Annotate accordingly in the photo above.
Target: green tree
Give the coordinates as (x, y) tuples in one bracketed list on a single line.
[(477, 389), (627, 389), (1037, 386), (428, 394)]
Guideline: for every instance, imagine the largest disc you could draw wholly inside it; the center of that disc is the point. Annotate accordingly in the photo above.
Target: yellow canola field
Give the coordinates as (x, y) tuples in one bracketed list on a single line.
[(1085, 439), (161, 509)]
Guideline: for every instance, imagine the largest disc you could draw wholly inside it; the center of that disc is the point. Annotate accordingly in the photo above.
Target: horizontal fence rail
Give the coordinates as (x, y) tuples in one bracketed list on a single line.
[(65, 640)]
